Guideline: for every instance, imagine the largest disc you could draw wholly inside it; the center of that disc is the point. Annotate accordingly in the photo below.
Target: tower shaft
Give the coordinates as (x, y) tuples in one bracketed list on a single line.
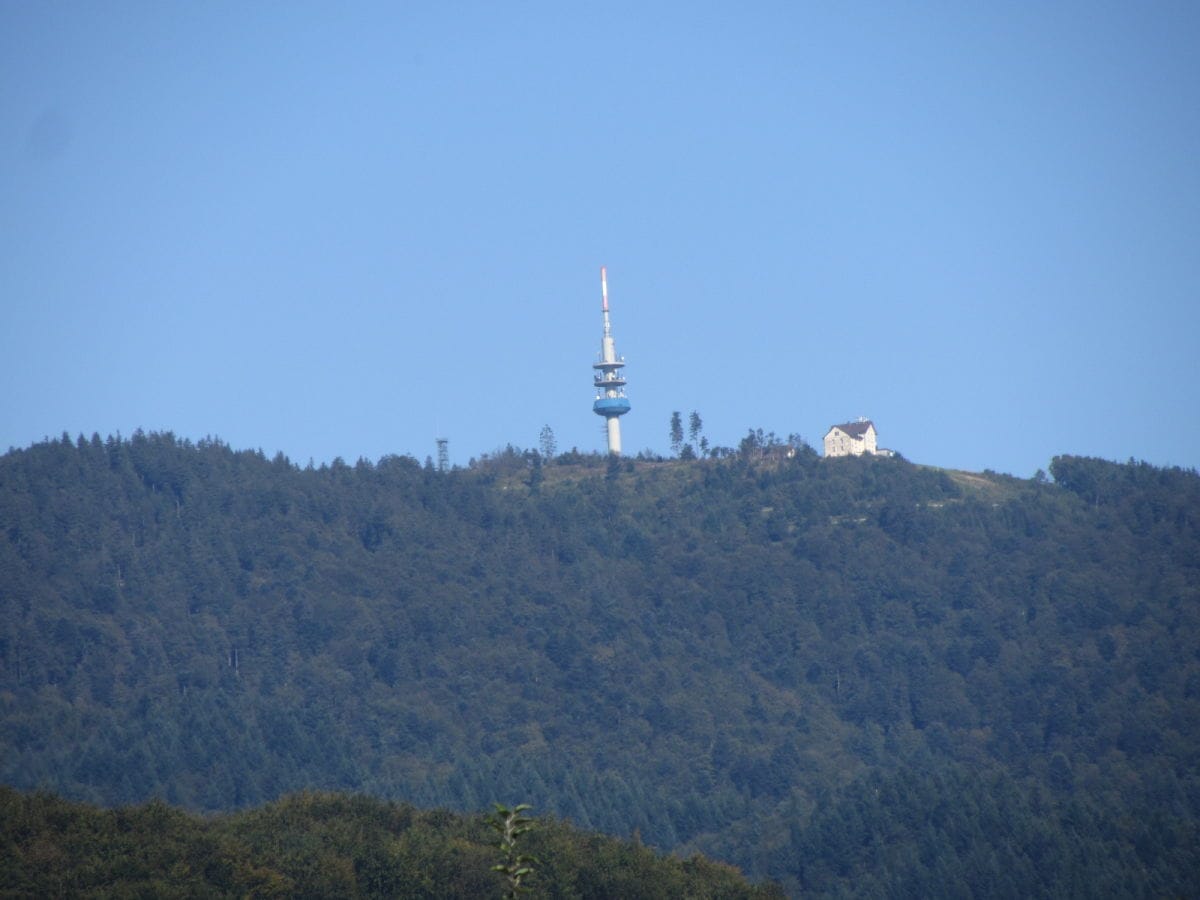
[(611, 401)]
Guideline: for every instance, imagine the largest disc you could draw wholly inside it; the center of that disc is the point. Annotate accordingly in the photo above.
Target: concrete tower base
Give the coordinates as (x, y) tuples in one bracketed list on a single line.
[(614, 435)]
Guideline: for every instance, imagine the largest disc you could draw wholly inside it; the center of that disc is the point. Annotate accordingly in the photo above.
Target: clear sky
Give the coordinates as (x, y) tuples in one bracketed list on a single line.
[(343, 229)]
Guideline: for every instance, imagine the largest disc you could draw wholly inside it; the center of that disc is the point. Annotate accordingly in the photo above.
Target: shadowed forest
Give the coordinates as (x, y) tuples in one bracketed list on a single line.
[(853, 676)]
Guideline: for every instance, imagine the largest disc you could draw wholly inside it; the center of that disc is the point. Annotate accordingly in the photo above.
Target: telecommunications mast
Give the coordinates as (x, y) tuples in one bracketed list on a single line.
[(610, 383)]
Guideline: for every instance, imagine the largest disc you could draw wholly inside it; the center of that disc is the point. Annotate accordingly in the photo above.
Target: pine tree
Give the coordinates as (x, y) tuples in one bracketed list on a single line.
[(676, 432), (548, 442)]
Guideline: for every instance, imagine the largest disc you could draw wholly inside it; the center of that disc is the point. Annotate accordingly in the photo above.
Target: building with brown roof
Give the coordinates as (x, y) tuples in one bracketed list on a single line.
[(852, 439)]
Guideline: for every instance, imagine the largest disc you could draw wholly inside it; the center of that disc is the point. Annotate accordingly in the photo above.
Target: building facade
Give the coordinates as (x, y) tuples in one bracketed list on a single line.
[(851, 439)]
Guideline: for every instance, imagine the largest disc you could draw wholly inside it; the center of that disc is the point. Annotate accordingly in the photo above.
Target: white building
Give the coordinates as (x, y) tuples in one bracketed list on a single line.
[(852, 439)]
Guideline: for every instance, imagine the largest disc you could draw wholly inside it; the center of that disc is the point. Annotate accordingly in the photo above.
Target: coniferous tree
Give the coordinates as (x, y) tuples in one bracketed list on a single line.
[(548, 443), (676, 432)]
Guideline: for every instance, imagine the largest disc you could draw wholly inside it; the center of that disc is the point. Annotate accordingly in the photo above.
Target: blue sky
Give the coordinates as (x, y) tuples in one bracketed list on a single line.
[(340, 230)]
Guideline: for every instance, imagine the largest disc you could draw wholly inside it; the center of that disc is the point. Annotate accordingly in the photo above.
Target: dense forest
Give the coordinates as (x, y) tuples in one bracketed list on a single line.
[(325, 845), (853, 676)]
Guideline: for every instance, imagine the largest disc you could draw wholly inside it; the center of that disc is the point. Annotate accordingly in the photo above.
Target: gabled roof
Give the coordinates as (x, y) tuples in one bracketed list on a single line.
[(855, 429)]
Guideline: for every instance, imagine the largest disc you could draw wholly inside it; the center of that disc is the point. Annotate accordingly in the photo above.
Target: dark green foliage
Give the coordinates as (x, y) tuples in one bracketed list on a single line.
[(676, 432), (316, 845), (853, 675)]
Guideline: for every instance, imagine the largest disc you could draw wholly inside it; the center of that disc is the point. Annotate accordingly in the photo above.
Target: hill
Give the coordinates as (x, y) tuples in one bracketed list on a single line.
[(854, 675)]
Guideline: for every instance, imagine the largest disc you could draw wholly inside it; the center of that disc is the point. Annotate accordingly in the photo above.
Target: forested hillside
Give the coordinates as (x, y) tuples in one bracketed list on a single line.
[(856, 676), (324, 845)]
